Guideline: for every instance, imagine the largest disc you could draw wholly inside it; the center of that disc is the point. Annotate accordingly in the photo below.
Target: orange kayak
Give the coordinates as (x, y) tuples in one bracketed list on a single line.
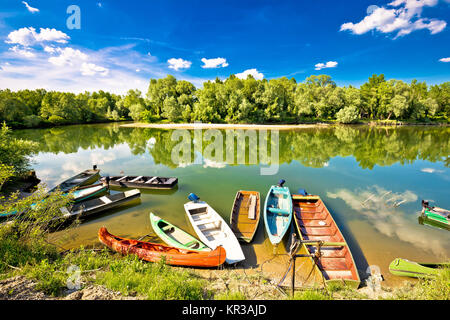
[(154, 252)]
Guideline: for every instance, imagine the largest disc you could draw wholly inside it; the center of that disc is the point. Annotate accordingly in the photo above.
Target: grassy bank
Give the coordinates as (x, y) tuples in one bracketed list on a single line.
[(53, 272)]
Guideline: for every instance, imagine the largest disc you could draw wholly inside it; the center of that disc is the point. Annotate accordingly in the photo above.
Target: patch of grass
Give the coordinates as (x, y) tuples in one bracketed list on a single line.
[(155, 281), (311, 295), (230, 295), (436, 288)]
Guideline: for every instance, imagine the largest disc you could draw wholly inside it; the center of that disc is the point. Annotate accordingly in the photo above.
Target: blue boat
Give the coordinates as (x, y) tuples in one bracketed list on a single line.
[(277, 212)]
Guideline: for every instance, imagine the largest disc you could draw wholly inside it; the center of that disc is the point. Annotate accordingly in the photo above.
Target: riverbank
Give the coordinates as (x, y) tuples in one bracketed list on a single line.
[(280, 127), (122, 278)]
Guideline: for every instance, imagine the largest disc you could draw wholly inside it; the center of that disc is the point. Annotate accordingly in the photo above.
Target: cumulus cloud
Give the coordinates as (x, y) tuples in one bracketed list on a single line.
[(401, 16), (214, 63), (445, 59), (28, 36), (29, 8), (177, 64), (253, 72), (68, 56), (27, 53), (329, 64)]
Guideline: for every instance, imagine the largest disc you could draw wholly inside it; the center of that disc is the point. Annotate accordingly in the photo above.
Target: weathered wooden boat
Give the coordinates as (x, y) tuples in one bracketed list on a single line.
[(154, 252), (406, 268), (322, 239), (245, 215), (174, 236), (435, 214), (142, 182), (84, 178), (90, 207), (81, 194), (277, 212), (212, 230)]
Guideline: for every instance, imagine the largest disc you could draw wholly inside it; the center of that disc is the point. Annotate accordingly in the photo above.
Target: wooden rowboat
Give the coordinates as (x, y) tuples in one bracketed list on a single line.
[(154, 252), (142, 182), (90, 207), (212, 230), (406, 268), (277, 213), (84, 178), (245, 214), (81, 194), (174, 236), (317, 229)]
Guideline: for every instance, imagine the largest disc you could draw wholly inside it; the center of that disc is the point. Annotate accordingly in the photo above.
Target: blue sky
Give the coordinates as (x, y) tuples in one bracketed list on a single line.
[(122, 44)]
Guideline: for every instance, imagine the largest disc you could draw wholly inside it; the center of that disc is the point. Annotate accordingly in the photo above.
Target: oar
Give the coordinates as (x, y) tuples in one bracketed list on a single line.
[(324, 244)]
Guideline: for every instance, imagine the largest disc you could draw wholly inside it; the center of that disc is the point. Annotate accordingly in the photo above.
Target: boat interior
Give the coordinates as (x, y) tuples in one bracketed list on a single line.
[(316, 223)]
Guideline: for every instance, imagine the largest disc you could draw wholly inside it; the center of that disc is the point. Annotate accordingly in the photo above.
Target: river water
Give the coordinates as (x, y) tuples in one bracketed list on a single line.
[(371, 179)]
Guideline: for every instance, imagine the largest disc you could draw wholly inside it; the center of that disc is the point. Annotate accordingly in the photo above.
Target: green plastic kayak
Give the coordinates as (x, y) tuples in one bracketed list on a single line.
[(175, 236), (406, 268), (439, 216)]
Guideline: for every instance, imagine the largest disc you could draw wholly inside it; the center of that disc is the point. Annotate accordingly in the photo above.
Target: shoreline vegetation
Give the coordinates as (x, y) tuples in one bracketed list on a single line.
[(280, 101)]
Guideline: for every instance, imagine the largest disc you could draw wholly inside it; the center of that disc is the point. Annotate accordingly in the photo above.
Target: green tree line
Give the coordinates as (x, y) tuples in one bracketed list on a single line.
[(234, 100)]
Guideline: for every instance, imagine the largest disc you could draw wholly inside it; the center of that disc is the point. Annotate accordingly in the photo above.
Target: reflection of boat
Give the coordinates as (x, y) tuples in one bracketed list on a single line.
[(245, 215), (174, 236), (144, 182), (89, 207), (323, 240), (431, 223), (406, 268), (84, 178), (212, 229), (155, 252), (277, 212), (438, 216)]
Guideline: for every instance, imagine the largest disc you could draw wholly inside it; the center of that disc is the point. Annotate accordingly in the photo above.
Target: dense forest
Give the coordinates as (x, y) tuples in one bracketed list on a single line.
[(234, 100)]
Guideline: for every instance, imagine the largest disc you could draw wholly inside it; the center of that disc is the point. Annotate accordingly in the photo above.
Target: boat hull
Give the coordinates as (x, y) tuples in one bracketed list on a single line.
[(84, 178), (245, 215), (154, 252), (277, 213), (406, 268), (314, 222)]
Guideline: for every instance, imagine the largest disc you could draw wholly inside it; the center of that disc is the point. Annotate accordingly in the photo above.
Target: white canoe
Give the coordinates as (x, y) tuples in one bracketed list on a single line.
[(213, 230)]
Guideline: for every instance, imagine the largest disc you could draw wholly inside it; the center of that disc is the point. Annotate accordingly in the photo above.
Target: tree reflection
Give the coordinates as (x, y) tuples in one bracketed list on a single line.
[(312, 147)]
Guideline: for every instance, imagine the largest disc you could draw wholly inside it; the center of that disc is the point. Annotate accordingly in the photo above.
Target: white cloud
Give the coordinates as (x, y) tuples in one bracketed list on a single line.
[(329, 64), (177, 64), (403, 17), (214, 63), (31, 9), (253, 72), (28, 36), (445, 59), (27, 53), (49, 49), (90, 69), (68, 56)]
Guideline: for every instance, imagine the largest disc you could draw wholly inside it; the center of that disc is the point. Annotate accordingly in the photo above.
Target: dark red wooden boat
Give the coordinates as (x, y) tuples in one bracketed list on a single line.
[(315, 226), (154, 252)]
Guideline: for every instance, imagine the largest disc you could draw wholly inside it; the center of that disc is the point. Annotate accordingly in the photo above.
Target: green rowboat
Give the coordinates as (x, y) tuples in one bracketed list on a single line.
[(438, 216), (174, 236), (406, 268)]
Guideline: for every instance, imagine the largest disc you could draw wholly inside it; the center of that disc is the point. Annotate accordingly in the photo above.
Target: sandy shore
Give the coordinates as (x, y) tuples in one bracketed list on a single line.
[(222, 126)]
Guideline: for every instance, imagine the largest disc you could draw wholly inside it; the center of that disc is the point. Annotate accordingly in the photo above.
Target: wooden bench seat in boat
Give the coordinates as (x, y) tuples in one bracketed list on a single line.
[(278, 211)]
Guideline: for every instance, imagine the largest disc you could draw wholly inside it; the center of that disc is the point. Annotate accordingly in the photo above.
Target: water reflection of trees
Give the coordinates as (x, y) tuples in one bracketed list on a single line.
[(313, 147)]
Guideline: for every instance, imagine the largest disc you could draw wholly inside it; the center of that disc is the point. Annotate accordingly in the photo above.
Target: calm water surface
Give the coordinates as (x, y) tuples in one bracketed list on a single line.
[(361, 173)]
